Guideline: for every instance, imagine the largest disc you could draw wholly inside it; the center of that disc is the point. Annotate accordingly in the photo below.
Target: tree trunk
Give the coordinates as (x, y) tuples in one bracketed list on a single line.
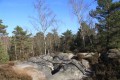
[(33, 52), (15, 53), (83, 37), (45, 44), (83, 41)]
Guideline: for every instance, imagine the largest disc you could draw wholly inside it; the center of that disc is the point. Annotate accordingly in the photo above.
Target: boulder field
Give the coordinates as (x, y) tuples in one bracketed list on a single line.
[(63, 66)]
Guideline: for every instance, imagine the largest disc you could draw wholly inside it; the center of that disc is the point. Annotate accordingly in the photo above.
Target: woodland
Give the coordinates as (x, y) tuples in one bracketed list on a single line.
[(97, 37)]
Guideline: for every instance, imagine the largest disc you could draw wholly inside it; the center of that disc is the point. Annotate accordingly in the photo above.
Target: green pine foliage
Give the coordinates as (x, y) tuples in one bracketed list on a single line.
[(108, 37), (108, 15), (4, 57), (20, 44), (67, 40), (113, 21)]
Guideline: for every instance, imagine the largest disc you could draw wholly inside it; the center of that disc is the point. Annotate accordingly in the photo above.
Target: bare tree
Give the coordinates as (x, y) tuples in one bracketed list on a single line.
[(79, 8), (45, 18)]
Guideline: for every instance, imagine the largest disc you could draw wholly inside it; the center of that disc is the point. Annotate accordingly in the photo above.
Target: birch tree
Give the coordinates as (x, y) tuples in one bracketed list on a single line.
[(79, 9), (45, 18)]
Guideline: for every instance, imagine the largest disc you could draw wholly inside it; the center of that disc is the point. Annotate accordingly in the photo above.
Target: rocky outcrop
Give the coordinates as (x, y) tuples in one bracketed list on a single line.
[(113, 53), (68, 72), (59, 67), (56, 67)]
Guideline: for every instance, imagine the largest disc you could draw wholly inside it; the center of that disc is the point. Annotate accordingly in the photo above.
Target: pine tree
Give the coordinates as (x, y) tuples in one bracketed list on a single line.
[(107, 13), (114, 25), (66, 41), (3, 46), (20, 44)]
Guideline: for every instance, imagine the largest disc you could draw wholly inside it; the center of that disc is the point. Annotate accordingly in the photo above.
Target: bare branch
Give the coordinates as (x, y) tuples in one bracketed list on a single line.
[(45, 18), (79, 8)]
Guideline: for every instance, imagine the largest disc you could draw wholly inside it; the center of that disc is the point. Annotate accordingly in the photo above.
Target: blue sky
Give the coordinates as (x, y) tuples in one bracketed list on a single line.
[(17, 12)]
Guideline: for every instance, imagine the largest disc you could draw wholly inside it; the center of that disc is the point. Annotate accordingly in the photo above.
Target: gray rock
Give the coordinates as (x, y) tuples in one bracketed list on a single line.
[(72, 70), (64, 56), (35, 59), (86, 64), (42, 64), (70, 73), (86, 55), (62, 65), (113, 53), (47, 57)]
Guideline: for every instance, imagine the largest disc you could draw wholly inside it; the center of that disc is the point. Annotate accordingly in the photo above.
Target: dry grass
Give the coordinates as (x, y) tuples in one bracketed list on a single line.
[(7, 73), (13, 71)]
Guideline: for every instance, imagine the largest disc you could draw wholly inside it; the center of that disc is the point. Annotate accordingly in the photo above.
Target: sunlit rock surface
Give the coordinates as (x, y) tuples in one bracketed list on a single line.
[(47, 67)]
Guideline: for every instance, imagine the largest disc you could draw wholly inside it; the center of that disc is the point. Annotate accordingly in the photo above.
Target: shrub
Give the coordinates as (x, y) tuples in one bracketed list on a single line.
[(4, 57)]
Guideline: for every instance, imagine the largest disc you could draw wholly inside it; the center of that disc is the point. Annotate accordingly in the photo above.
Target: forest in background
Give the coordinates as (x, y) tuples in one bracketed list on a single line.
[(104, 36)]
